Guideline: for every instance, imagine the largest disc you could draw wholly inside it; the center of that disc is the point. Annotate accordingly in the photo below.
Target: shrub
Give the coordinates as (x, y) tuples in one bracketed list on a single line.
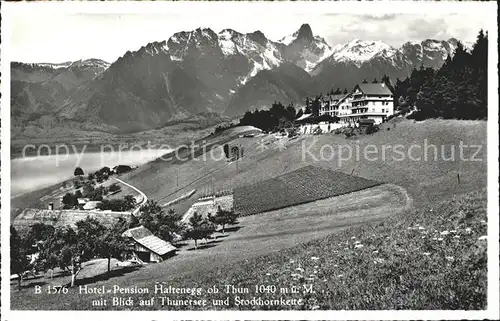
[(114, 188), (350, 134), (317, 131), (116, 205), (371, 129), (69, 200), (292, 132), (77, 184), (120, 169)]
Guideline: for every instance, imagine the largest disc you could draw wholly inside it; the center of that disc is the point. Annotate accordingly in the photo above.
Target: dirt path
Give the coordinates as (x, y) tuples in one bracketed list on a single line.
[(144, 197)]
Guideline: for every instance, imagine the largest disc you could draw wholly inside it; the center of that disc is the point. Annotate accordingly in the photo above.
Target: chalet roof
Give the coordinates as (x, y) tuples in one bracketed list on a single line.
[(144, 237), (344, 96), (304, 116), (337, 97), (83, 200), (29, 216), (374, 89), (91, 205)]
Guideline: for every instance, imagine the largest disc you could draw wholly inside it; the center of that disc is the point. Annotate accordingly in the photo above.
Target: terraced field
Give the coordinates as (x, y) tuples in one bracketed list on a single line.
[(307, 184)]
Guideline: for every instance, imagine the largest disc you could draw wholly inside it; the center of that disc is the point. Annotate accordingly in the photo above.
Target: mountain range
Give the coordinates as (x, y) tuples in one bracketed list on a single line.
[(201, 72)]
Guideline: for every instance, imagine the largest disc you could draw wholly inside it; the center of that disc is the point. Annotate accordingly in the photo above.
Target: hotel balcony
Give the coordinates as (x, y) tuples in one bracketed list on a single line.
[(371, 98)]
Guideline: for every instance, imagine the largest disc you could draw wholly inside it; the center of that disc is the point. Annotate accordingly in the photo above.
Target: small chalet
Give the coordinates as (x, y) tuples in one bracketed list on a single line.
[(147, 247), (91, 205), (83, 200)]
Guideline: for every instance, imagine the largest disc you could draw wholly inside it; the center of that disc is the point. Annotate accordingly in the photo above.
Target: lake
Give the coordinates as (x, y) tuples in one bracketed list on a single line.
[(32, 173)]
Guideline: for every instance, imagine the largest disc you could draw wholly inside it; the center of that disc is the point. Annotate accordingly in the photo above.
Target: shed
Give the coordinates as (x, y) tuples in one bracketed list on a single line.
[(148, 247)]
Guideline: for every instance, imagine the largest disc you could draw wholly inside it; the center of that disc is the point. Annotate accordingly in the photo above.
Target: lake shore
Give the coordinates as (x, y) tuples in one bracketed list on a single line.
[(32, 173)]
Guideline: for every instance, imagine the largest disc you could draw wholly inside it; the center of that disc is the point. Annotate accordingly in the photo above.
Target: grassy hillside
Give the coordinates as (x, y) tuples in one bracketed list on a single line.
[(429, 254), (431, 258), (426, 181)]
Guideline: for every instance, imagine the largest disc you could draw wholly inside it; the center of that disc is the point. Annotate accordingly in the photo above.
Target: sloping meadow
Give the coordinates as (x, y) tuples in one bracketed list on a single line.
[(431, 258)]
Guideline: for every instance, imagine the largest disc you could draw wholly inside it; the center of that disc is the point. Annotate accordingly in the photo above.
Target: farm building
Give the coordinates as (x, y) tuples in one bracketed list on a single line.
[(147, 247)]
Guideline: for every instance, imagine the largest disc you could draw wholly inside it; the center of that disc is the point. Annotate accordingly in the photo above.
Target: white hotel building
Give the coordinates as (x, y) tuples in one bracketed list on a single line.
[(367, 101)]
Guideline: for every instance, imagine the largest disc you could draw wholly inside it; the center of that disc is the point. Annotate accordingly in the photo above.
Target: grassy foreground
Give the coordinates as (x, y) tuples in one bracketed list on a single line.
[(431, 258)]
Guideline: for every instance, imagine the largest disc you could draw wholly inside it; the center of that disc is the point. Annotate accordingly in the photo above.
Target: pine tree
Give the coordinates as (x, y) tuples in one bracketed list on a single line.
[(315, 106)]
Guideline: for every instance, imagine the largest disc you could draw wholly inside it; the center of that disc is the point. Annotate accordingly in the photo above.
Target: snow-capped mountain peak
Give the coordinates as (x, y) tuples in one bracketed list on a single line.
[(304, 33), (226, 42), (304, 49), (260, 53), (359, 51), (65, 64), (258, 37), (431, 52), (90, 63)]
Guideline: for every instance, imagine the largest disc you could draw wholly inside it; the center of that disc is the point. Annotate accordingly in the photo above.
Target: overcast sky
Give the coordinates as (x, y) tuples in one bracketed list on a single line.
[(57, 37)]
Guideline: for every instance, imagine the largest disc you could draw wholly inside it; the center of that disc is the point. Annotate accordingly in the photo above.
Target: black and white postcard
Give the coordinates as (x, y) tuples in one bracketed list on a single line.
[(293, 160)]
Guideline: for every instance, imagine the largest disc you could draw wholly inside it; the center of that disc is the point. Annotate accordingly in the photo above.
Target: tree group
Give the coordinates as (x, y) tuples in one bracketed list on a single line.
[(199, 228), (223, 217), (277, 117), (457, 90), (67, 248), (166, 225)]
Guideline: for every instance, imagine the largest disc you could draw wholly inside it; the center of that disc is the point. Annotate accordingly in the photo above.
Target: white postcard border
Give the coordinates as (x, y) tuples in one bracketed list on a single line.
[(488, 9)]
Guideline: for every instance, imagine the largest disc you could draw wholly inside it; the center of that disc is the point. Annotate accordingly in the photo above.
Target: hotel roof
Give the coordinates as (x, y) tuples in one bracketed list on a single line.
[(374, 89)]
